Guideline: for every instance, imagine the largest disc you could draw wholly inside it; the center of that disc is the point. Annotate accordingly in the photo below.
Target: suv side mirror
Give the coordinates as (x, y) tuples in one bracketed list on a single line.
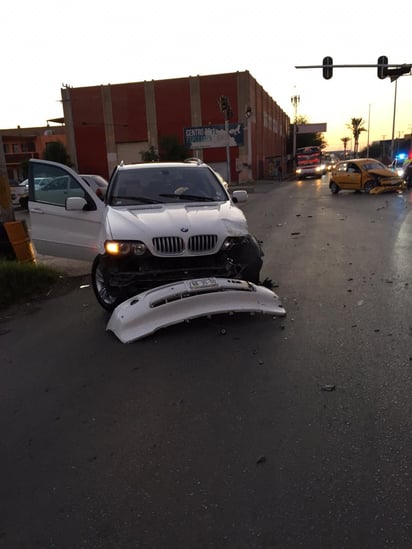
[(76, 203), (239, 196)]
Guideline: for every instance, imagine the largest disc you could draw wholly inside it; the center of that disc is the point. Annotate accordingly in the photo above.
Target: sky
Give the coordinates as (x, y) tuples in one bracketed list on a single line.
[(48, 44)]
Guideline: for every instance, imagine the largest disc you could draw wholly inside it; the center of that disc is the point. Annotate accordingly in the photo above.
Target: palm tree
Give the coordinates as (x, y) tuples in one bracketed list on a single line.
[(345, 141), (356, 127)]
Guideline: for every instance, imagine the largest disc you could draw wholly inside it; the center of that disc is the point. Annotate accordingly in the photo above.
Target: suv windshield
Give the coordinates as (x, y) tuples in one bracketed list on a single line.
[(169, 184)]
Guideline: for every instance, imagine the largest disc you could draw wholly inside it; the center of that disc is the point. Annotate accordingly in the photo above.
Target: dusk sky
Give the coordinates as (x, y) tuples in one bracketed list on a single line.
[(46, 44)]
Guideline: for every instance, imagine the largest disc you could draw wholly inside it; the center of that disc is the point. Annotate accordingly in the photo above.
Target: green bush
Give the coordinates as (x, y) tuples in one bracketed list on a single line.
[(19, 281)]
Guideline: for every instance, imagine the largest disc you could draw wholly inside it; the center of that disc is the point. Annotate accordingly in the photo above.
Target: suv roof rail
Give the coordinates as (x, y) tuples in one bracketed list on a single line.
[(194, 160)]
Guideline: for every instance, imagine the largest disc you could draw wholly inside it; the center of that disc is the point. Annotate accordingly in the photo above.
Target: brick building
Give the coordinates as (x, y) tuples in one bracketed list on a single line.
[(110, 123), (21, 144)]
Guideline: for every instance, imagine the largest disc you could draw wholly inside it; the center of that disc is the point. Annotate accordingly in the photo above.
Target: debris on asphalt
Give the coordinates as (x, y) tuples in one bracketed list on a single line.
[(328, 388)]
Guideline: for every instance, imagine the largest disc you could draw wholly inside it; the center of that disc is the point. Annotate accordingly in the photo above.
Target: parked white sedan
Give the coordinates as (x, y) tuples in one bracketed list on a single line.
[(17, 189)]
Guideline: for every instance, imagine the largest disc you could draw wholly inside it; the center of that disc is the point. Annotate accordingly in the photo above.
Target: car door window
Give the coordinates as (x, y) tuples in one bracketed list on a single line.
[(353, 168), (58, 187)]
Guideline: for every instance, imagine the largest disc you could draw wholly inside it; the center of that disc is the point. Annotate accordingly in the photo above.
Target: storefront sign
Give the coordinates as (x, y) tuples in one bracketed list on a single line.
[(206, 137)]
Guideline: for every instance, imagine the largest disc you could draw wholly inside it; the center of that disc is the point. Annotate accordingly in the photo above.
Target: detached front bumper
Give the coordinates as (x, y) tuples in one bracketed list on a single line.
[(171, 304), (382, 188)]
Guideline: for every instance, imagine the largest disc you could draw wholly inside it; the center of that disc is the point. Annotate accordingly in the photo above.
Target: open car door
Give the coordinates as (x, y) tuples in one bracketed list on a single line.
[(65, 214)]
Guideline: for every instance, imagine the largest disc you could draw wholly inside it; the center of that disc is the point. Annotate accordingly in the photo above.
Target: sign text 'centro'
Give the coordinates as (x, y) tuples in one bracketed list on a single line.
[(207, 137)]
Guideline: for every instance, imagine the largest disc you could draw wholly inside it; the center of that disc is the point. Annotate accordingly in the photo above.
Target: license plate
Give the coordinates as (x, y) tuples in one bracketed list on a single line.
[(201, 283)]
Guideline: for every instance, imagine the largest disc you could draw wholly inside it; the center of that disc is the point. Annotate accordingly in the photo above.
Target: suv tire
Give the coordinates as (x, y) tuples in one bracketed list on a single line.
[(101, 290)]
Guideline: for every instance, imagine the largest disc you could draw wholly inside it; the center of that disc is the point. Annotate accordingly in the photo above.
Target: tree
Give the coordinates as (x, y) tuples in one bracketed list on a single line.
[(150, 155), (56, 152), (345, 141), (356, 126), (172, 150)]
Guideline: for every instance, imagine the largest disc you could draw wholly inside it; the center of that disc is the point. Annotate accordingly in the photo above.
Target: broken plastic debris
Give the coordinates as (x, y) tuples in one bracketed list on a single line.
[(182, 301)]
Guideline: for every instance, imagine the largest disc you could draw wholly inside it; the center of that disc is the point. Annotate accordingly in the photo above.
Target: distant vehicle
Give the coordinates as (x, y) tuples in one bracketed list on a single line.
[(310, 162), (96, 182), (407, 173), (364, 174), (330, 160), (399, 164)]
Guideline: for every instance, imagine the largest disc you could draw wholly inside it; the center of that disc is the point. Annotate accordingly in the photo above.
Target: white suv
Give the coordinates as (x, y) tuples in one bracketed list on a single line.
[(160, 223)]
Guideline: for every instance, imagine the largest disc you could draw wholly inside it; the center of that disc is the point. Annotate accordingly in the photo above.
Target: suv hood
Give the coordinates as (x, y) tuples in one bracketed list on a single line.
[(146, 222)]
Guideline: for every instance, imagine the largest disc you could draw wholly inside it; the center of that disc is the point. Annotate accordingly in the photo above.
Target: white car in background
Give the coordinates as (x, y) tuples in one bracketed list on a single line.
[(17, 189)]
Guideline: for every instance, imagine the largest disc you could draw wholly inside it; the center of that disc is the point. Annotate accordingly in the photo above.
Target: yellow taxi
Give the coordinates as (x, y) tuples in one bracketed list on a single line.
[(364, 174)]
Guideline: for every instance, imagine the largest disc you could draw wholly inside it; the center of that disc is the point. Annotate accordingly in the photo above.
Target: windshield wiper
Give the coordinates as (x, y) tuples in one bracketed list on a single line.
[(143, 199), (185, 196)]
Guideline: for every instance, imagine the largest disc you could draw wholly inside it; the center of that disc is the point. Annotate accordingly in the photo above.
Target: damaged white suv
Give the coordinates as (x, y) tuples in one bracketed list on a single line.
[(160, 223)]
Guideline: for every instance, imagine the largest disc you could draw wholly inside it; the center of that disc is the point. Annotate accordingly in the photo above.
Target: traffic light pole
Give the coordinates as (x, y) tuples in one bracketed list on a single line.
[(226, 109), (227, 148), (393, 122), (384, 69)]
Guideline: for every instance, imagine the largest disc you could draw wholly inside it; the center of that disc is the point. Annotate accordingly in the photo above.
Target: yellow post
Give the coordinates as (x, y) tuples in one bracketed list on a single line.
[(20, 240)]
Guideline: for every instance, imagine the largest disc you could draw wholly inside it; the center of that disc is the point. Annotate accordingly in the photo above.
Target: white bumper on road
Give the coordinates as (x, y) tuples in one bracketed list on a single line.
[(171, 304)]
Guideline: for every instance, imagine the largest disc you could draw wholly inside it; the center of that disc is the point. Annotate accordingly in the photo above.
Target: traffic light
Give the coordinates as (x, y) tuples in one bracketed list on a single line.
[(382, 67), (327, 68), (395, 73), (224, 103)]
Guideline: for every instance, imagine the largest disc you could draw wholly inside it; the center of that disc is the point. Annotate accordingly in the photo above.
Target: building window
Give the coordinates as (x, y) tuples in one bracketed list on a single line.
[(16, 147), (6, 148), (28, 147)]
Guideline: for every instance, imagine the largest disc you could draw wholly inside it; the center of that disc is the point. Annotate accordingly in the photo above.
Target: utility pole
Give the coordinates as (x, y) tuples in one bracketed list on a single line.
[(369, 127), (6, 207), (295, 100), (393, 121)]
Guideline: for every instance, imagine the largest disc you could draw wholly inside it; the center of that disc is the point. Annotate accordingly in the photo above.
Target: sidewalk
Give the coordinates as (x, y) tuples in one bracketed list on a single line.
[(68, 267)]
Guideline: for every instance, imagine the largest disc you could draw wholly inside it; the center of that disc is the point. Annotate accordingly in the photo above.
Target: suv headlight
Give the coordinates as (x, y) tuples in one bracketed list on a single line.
[(114, 247), (232, 241)]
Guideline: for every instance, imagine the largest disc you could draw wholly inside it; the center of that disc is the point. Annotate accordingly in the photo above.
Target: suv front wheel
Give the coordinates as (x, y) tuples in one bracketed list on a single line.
[(101, 289)]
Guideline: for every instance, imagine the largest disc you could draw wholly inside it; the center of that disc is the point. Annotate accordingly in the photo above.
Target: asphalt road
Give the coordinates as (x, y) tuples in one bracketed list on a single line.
[(237, 432)]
